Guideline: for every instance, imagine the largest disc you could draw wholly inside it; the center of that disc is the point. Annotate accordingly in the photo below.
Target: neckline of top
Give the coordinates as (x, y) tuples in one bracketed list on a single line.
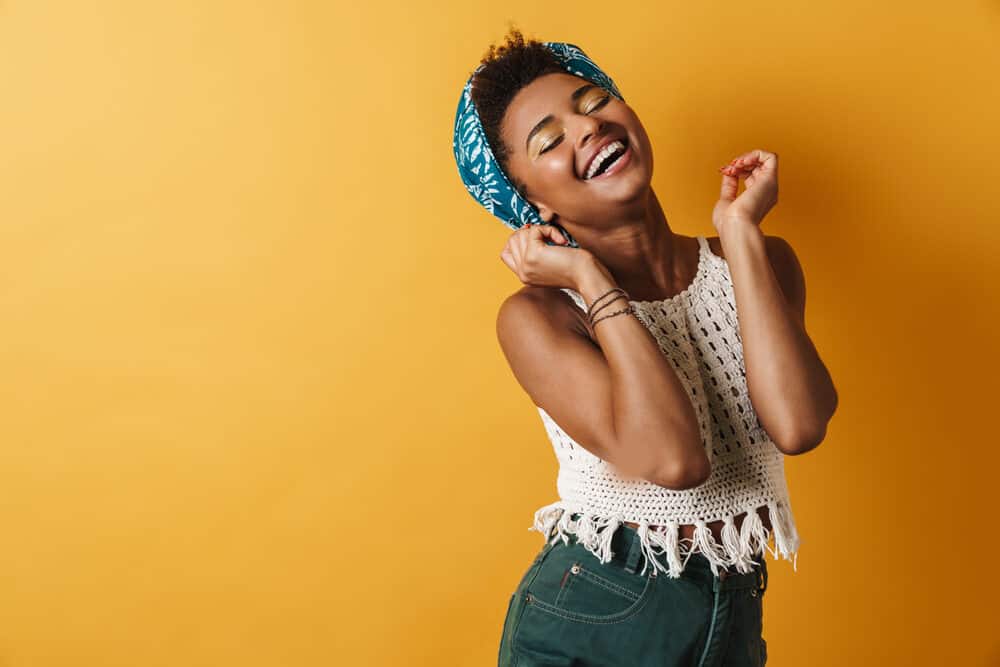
[(703, 252)]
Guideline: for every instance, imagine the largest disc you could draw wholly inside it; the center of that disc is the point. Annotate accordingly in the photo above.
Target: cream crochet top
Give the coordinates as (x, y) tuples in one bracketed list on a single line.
[(697, 331)]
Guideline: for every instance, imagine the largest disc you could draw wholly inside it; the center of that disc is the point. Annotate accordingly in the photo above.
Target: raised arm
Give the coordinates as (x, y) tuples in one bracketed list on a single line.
[(619, 398)]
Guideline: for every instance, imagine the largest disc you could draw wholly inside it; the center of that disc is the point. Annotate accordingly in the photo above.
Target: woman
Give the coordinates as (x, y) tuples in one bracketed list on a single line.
[(626, 337)]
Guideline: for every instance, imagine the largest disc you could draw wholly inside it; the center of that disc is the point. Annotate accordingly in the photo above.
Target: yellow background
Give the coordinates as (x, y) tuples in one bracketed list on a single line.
[(254, 410)]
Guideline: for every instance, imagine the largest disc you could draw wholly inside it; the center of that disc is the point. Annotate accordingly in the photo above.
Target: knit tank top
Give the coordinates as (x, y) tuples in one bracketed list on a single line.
[(697, 331)]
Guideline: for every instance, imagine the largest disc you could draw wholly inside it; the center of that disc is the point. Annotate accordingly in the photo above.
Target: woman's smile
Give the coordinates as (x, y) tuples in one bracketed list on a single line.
[(619, 164)]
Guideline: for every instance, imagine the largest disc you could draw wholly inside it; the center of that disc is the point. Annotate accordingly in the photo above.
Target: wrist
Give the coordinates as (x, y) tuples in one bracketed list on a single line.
[(739, 229), (590, 276)]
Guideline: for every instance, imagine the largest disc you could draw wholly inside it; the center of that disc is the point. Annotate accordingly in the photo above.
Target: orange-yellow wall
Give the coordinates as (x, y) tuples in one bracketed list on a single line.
[(254, 410)]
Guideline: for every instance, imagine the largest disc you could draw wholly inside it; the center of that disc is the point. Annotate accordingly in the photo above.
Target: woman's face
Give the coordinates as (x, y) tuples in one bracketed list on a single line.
[(553, 127)]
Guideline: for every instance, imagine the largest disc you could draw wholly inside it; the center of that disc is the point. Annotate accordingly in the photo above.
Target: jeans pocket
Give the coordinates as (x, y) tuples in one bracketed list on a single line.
[(574, 585)]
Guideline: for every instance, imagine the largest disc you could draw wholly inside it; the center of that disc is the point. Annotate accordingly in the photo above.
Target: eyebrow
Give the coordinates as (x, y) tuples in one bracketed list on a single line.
[(577, 94)]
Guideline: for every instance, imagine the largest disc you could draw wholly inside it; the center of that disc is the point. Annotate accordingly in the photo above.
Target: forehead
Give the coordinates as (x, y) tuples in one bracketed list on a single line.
[(546, 94)]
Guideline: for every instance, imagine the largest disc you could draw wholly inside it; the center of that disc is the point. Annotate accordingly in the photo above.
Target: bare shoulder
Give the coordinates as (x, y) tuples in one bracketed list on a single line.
[(539, 332), (785, 264), (533, 306), (779, 250)]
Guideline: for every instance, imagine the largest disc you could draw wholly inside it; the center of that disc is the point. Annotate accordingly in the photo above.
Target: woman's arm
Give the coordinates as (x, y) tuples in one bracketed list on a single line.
[(790, 387), (620, 399)]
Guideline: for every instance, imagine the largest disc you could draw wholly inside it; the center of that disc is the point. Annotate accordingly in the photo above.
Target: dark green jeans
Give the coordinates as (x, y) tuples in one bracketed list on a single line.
[(571, 610)]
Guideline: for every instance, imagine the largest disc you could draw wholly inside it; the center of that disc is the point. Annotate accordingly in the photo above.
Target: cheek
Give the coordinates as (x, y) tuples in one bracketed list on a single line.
[(640, 135), (632, 124), (559, 167)]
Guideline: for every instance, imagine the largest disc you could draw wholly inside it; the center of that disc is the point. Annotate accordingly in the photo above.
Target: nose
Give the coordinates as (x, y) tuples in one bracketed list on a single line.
[(590, 128)]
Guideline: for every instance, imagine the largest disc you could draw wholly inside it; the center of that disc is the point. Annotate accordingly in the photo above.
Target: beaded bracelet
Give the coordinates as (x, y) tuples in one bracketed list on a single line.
[(628, 309), (592, 310), (604, 305), (610, 291)]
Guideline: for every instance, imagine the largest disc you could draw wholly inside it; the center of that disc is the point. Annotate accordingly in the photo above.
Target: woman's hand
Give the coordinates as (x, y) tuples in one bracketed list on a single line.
[(536, 263), (760, 169)]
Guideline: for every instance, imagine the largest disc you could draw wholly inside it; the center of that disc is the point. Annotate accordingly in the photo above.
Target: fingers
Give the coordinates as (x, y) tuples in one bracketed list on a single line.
[(748, 162), (737, 166), (552, 233), (517, 245), (538, 232), (558, 236), (508, 258), (517, 250), (759, 158), (730, 188)]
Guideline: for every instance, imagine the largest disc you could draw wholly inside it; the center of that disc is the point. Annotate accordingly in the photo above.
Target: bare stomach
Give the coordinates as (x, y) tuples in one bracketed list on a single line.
[(687, 530)]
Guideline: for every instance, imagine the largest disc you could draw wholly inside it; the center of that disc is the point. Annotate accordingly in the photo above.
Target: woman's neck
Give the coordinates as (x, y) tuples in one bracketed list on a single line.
[(643, 254)]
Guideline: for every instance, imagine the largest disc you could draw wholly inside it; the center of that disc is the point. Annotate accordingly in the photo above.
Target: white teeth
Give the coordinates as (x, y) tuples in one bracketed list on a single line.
[(599, 158)]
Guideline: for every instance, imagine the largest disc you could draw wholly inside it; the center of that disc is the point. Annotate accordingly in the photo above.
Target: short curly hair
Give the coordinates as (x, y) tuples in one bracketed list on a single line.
[(506, 70)]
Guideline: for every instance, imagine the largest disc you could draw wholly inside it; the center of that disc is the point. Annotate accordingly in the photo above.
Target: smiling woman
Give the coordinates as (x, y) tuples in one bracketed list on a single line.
[(663, 461), (481, 145), (600, 158)]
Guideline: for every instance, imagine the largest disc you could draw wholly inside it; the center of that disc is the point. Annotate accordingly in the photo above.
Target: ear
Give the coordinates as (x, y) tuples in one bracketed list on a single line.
[(545, 213)]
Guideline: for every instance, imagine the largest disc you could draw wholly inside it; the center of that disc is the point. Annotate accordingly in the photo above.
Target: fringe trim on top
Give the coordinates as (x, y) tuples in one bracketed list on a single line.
[(738, 546)]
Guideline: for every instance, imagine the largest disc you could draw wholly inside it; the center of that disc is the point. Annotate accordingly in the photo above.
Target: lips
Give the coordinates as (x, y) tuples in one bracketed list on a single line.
[(590, 158)]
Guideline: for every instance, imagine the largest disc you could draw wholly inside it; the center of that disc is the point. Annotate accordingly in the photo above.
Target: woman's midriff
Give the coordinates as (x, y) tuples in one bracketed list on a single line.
[(687, 530)]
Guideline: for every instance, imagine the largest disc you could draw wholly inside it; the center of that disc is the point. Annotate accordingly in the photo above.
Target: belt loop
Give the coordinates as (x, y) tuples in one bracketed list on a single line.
[(634, 551)]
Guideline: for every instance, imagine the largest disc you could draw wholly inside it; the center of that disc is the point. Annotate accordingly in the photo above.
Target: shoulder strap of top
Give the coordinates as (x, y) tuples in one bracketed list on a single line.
[(577, 297), (716, 264)]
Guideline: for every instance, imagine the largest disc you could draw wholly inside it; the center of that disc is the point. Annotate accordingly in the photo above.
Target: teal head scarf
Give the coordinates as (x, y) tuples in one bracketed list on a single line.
[(485, 181)]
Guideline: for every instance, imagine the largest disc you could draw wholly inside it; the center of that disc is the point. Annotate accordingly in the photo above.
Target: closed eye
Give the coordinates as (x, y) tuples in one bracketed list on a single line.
[(552, 144)]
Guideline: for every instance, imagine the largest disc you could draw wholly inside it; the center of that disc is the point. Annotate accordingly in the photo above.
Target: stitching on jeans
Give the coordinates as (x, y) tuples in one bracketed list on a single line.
[(610, 585), (565, 587), (637, 606), (711, 628)]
